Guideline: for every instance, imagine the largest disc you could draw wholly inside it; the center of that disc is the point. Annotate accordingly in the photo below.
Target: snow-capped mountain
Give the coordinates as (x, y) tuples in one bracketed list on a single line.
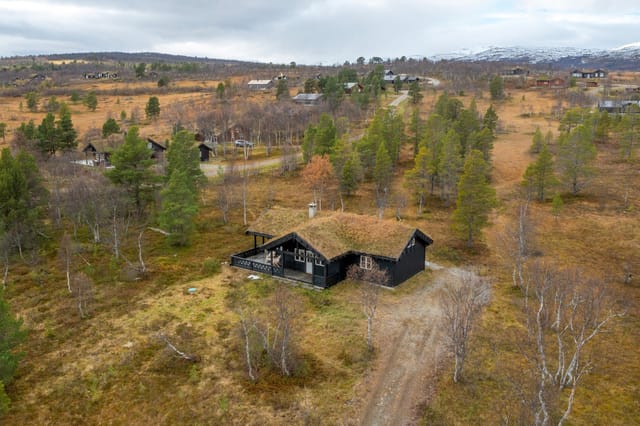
[(623, 57)]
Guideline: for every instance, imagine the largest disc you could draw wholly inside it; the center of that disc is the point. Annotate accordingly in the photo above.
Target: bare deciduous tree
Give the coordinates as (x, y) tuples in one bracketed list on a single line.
[(569, 312), (516, 241), (248, 329), (370, 281), (462, 300), (83, 293), (65, 254), (275, 331)]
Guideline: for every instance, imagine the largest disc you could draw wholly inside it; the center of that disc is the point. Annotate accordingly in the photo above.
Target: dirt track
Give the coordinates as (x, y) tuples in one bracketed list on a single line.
[(409, 344)]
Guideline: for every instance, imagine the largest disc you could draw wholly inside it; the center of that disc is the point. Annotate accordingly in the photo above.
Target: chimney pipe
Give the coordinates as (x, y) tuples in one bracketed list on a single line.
[(312, 210)]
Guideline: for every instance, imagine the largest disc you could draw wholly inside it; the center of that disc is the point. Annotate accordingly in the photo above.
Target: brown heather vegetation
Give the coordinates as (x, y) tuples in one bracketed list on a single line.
[(112, 368)]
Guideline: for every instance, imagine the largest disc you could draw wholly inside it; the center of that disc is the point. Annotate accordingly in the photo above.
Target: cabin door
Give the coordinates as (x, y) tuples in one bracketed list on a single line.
[(309, 262)]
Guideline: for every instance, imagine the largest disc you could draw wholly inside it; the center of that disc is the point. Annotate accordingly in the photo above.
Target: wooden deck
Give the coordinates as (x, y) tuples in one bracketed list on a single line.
[(258, 263)]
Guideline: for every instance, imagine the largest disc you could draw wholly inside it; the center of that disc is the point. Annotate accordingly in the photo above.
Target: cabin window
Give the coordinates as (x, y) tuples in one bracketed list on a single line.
[(319, 261), (299, 255), (366, 262)]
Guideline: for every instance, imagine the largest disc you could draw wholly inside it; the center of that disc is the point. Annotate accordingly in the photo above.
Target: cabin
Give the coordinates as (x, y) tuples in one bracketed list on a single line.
[(98, 152), (619, 107), (515, 72), (156, 148), (557, 83), (589, 74), (543, 82), (308, 99), (352, 87), (318, 248), (260, 84)]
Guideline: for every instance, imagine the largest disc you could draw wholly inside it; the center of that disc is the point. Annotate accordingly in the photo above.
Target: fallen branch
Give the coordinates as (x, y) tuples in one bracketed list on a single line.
[(191, 358)]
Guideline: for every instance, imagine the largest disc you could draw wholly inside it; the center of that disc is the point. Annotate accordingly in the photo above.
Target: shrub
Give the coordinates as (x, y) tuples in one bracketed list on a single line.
[(211, 266)]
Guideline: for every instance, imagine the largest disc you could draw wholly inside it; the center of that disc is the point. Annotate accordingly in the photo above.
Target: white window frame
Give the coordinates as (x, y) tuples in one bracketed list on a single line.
[(318, 261), (412, 242), (299, 255), (366, 262)]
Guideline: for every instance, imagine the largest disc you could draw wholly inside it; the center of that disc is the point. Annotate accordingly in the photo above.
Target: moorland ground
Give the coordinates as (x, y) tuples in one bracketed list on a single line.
[(111, 368)]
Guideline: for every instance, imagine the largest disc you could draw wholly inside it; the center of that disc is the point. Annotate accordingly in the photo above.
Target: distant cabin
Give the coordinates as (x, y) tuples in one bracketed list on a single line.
[(589, 74), (260, 84), (307, 98), (619, 107), (318, 248), (157, 149)]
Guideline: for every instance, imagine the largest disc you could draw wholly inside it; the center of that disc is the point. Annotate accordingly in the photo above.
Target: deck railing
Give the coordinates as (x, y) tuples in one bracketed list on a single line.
[(240, 260)]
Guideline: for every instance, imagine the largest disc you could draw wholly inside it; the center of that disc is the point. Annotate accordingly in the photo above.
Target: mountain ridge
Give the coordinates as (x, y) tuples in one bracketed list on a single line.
[(626, 57)]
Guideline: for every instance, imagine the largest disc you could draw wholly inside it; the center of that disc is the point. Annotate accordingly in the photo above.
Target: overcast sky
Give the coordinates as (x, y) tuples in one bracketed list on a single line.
[(311, 31)]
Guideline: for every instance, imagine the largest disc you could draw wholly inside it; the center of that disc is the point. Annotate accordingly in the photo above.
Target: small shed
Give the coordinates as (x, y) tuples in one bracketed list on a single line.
[(206, 149)]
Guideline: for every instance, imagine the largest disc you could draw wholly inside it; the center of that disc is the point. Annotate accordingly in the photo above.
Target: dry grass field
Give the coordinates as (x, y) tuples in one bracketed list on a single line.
[(112, 368)]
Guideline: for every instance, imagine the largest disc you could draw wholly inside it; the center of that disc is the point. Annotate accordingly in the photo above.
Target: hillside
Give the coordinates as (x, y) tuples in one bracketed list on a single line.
[(124, 362)]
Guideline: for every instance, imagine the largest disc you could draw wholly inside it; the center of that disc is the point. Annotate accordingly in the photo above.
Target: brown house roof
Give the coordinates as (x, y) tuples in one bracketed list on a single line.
[(334, 234)]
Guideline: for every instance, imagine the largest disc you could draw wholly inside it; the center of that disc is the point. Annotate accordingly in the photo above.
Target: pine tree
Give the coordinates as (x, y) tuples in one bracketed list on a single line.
[(47, 135), (414, 93), (351, 175), (179, 208), (416, 126), (382, 173), (12, 334), (184, 155), (66, 135), (537, 142), (132, 169), (23, 198), (152, 109), (110, 127), (576, 154), (475, 199), (451, 163), (490, 120), (282, 90), (539, 176), (496, 88), (91, 101), (418, 179)]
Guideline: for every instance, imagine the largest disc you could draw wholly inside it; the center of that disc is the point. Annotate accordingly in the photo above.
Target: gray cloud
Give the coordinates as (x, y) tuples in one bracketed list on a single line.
[(316, 31)]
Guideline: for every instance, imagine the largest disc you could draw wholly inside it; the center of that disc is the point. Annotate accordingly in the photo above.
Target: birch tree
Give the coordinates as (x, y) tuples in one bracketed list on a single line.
[(462, 300), (370, 281), (567, 313)]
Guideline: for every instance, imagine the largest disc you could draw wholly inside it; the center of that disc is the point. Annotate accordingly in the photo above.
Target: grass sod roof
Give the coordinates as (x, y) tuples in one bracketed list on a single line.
[(334, 234)]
